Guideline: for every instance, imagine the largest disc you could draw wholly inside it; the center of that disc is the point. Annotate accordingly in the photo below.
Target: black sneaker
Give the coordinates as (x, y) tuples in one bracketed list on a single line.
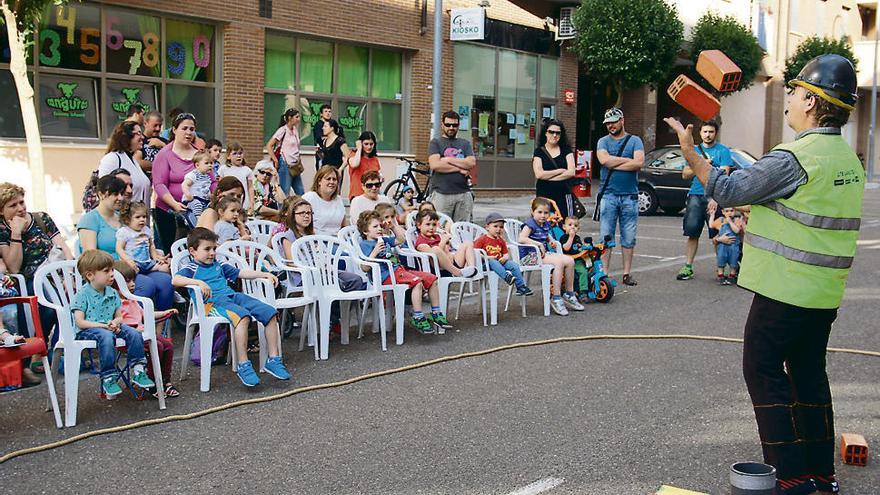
[(804, 488), (523, 291), (509, 278), (725, 281), (826, 484), (721, 280)]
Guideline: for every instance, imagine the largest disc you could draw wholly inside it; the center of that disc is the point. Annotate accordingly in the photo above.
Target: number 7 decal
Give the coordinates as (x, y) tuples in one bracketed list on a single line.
[(135, 60)]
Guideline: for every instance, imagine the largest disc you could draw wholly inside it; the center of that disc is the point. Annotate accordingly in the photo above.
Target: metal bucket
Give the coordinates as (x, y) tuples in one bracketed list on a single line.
[(752, 478)]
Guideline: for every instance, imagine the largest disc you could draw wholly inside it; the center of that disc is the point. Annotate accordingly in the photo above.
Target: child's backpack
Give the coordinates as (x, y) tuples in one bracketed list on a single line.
[(90, 195), (217, 349)]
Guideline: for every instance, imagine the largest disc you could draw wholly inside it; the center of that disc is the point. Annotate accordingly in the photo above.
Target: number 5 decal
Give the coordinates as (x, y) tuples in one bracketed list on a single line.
[(86, 46)]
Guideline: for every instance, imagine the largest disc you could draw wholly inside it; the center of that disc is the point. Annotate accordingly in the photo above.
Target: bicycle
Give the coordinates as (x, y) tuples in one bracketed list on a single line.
[(394, 189)]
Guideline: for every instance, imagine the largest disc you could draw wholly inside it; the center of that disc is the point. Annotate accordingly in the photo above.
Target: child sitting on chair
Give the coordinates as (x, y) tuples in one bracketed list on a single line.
[(573, 246), (406, 203), (133, 316), (134, 240), (97, 312), (230, 227), (460, 262), (375, 244), (495, 246), (213, 279), (389, 222)]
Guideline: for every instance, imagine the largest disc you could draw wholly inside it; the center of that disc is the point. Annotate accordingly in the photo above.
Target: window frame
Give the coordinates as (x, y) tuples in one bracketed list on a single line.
[(335, 98), (103, 75)]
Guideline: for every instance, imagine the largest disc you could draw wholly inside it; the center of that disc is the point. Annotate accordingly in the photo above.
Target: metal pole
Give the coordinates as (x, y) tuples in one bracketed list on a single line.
[(871, 144), (438, 56)]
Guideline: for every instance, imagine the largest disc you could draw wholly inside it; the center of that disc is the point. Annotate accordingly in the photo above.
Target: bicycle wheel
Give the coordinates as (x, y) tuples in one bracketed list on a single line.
[(394, 189)]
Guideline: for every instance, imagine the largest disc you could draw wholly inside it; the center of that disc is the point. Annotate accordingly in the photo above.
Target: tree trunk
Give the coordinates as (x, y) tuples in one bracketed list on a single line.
[(618, 88), (18, 67)]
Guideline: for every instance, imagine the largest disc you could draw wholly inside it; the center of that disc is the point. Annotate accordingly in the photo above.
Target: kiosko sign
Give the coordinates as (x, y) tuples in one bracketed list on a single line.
[(467, 24)]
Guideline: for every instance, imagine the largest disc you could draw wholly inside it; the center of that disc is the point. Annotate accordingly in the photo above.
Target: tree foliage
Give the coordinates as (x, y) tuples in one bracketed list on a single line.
[(714, 32), (27, 12), (628, 43), (811, 48)]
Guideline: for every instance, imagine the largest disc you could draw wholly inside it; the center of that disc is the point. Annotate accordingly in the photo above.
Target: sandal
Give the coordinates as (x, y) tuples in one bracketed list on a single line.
[(629, 280), (170, 391)]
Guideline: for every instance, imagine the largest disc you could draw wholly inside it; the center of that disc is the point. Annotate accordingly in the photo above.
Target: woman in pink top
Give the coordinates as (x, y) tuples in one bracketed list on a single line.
[(170, 166)]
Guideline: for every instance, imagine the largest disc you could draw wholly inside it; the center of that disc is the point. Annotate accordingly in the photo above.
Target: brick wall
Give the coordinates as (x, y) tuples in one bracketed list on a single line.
[(640, 113), (393, 23)]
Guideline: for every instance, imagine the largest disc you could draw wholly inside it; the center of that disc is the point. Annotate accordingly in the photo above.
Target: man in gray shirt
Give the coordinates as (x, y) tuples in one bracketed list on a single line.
[(451, 160)]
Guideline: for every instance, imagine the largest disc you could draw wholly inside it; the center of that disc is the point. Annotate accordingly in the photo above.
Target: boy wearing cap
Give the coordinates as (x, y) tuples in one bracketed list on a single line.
[(494, 245)]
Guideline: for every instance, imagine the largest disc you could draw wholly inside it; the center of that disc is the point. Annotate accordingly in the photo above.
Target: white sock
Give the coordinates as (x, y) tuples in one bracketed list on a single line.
[(138, 368), (468, 271)]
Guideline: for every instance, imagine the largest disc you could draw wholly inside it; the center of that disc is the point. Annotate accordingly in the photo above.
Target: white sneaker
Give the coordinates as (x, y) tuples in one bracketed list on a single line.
[(558, 306), (468, 271), (572, 302)]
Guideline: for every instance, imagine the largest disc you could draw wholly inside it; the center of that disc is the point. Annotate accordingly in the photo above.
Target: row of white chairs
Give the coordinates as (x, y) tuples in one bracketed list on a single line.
[(317, 262)]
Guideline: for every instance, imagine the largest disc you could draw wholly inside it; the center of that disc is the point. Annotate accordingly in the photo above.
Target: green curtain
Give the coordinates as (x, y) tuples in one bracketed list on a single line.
[(280, 61), (386, 125), (184, 33), (315, 66), (387, 69), (353, 70)]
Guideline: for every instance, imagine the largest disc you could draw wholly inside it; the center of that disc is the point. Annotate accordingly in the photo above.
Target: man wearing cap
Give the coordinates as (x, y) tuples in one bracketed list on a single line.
[(806, 199), (622, 155)]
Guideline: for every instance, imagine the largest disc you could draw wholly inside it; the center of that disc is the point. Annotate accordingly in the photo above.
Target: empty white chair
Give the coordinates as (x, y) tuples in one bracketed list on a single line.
[(261, 230), (325, 254)]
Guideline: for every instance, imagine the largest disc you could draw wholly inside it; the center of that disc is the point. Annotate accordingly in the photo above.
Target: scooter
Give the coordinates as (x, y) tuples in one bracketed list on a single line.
[(601, 288)]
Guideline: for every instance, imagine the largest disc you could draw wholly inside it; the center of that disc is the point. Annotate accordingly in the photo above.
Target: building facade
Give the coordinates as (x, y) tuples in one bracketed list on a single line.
[(239, 67)]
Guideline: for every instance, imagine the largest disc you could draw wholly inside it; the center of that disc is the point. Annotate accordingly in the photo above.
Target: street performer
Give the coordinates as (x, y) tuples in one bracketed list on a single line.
[(800, 241)]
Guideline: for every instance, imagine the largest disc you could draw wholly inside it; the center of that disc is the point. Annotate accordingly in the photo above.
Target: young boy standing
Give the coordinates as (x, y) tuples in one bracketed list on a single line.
[(213, 279), (499, 257), (97, 312)]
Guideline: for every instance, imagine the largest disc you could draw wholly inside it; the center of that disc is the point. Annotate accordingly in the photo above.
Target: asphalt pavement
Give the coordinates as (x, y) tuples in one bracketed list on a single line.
[(592, 417)]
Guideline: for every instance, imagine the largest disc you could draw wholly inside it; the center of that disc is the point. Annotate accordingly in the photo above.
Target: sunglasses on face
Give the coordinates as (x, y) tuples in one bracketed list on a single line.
[(451, 125), (265, 172), (304, 213), (554, 133), (372, 185)]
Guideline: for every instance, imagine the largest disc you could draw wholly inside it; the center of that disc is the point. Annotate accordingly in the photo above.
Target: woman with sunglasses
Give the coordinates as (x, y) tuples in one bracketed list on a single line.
[(268, 195), (553, 164), (171, 165), (361, 161), (372, 183)]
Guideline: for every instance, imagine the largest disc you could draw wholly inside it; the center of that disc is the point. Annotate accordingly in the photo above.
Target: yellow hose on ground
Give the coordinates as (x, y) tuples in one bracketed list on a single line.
[(376, 374)]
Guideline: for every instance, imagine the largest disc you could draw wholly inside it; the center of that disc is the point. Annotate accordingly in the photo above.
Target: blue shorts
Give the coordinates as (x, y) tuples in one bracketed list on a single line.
[(145, 267), (238, 306), (622, 209), (728, 255)]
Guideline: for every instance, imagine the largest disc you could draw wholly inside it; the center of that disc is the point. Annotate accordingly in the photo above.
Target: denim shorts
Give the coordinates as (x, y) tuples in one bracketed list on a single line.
[(695, 215), (728, 255), (622, 209)]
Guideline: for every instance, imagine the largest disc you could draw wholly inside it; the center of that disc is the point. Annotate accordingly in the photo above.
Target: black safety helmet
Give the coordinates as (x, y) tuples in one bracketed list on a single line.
[(832, 78)]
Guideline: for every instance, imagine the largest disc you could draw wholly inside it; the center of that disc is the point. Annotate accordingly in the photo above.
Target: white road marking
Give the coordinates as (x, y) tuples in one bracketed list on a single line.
[(539, 486)]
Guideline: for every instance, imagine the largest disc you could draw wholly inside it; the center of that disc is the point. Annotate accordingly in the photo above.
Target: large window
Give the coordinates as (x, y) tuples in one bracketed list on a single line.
[(89, 64), (502, 96), (363, 85)]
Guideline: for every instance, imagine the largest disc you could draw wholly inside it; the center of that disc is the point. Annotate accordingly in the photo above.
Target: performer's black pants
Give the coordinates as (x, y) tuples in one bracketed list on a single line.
[(784, 369)]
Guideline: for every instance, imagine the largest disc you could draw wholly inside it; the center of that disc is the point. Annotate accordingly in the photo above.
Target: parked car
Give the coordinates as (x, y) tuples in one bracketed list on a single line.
[(661, 185)]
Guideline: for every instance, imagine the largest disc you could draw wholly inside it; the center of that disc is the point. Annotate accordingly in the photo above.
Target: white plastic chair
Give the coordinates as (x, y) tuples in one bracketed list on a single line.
[(512, 228), (179, 246), (294, 285), (470, 232), (324, 254), (352, 237), (261, 230), (428, 262), (260, 257), (207, 325), (56, 285)]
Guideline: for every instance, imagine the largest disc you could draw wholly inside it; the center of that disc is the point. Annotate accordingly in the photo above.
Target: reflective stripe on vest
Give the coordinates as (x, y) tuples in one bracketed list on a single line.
[(817, 221), (798, 255)]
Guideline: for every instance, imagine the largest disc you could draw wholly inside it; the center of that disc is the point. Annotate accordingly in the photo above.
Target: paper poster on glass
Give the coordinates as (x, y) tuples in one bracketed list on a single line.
[(70, 37), (483, 124), (133, 44), (353, 119), (121, 96), (68, 106)]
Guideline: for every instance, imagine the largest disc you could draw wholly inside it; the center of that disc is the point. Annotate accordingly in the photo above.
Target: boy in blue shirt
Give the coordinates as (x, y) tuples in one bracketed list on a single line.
[(213, 279), (97, 312), (697, 206)]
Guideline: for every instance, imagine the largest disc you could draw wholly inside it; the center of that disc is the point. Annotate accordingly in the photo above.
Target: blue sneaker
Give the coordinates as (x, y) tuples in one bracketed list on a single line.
[(110, 388), (247, 375), (276, 368)]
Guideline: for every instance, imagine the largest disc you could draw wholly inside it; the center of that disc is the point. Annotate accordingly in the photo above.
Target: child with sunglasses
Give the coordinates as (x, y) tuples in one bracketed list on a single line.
[(372, 183), (268, 196)]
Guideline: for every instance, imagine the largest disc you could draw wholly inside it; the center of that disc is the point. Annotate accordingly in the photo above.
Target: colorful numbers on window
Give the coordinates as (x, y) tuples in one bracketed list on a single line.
[(151, 49), (176, 58), (114, 37), (91, 52), (201, 51), (50, 40), (135, 60)]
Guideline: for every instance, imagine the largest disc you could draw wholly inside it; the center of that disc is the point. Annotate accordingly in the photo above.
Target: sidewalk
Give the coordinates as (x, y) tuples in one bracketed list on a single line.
[(514, 207)]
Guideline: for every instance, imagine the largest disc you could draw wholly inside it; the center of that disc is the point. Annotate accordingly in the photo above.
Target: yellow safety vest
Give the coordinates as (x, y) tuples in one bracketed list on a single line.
[(799, 250)]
